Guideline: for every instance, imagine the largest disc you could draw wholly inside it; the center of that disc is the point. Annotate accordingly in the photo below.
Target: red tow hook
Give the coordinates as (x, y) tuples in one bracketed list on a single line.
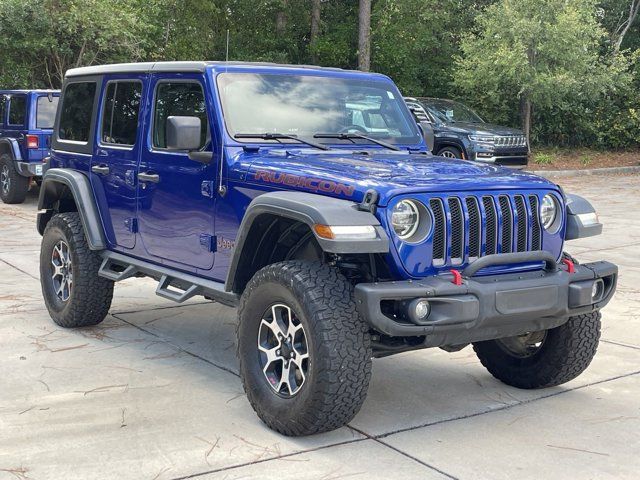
[(571, 268), (457, 277)]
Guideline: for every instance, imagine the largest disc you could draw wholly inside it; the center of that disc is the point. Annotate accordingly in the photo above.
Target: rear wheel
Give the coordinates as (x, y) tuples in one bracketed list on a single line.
[(546, 358), (305, 355), (73, 292), (13, 186)]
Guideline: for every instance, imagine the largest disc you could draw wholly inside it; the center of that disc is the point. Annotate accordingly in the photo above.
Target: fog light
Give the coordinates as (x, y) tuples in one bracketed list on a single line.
[(597, 290), (419, 310)]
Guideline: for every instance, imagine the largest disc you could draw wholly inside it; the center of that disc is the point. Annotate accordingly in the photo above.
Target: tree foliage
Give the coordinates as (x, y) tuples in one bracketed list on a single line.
[(560, 56)]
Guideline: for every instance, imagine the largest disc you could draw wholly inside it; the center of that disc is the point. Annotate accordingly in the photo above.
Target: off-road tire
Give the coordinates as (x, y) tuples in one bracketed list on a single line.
[(90, 296), (566, 352), (338, 343), (18, 185), (456, 152)]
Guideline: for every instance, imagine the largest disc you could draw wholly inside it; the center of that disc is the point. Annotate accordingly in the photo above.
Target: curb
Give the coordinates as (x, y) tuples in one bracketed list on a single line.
[(585, 172)]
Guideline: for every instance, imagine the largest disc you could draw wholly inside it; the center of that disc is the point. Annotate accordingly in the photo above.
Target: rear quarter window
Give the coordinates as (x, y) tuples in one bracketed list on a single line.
[(46, 111), (3, 104), (17, 110), (77, 112)]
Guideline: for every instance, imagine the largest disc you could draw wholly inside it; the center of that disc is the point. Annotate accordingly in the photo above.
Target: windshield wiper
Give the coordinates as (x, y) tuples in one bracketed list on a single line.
[(352, 135), (281, 136)]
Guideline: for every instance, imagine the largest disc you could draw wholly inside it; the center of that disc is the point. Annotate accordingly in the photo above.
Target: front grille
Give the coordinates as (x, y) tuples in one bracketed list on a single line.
[(467, 227), (510, 141)]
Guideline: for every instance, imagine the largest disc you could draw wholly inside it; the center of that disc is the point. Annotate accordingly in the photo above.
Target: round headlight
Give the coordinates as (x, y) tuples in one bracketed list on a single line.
[(548, 211), (405, 218)]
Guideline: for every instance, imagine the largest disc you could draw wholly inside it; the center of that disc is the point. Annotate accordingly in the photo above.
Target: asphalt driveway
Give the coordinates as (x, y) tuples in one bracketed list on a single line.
[(153, 392)]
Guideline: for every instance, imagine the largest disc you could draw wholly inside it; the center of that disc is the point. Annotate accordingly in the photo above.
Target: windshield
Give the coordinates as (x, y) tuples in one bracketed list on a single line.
[(305, 105), (46, 113), (448, 111)]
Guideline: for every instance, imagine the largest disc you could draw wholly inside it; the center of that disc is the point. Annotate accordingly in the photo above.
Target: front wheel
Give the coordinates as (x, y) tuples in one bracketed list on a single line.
[(73, 292), (546, 358), (450, 152), (305, 354)]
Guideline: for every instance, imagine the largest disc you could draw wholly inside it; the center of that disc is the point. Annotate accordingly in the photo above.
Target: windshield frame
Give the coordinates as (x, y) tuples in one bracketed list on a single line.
[(415, 141), (430, 104)]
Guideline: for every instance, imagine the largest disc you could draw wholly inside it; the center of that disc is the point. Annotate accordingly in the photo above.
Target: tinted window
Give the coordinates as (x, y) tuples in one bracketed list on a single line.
[(3, 103), (46, 113), (120, 115), (17, 110), (178, 99), (77, 108)]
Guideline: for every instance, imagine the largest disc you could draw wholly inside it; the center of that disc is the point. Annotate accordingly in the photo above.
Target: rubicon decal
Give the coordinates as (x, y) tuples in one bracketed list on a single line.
[(308, 183)]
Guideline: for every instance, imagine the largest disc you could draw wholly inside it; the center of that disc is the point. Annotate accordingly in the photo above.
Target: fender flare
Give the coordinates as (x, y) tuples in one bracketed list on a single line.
[(582, 220), (310, 209), (54, 182), (13, 147)]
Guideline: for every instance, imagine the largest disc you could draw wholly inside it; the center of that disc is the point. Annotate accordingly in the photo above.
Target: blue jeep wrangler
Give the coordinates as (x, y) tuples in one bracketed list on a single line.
[(26, 122), (257, 186)]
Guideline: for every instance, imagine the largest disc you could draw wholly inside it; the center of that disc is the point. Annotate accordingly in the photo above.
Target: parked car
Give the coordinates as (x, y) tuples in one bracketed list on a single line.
[(461, 133), (26, 122), (252, 185)]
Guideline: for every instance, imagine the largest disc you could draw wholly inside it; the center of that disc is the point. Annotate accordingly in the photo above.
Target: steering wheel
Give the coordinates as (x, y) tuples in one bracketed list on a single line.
[(351, 128)]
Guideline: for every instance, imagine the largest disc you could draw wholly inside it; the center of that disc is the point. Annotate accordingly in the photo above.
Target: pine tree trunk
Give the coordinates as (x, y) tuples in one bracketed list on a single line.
[(281, 18), (315, 28), (364, 35), (525, 115)]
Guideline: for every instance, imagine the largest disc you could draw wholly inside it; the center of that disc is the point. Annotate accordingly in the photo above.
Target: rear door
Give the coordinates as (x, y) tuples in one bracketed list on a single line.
[(175, 202), (115, 157), (16, 120)]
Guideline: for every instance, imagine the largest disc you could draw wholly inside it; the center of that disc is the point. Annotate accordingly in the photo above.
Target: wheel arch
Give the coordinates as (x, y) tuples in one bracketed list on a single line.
[(278, 226), (64, 190), (9, 146), (452, 143)]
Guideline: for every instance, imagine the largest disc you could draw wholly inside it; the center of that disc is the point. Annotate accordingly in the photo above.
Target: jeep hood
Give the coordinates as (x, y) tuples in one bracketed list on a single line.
[(482, 129), (389, 173)]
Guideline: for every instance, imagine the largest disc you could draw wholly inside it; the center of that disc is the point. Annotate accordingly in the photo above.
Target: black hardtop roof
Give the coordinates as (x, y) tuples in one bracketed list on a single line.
[(184, 66)]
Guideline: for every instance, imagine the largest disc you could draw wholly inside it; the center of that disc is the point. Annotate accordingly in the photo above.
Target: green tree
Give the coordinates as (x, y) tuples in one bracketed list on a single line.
[(541, 54)]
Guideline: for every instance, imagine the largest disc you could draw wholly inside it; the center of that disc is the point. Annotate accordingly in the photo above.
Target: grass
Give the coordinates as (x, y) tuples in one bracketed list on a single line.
[(543, 158)]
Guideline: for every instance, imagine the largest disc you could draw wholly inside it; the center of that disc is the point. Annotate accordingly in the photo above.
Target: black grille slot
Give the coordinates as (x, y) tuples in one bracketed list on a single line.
[(536, 243), (507, 223), (439, 231), (521, 209), (475, 240), (491, 225), (457, 230)]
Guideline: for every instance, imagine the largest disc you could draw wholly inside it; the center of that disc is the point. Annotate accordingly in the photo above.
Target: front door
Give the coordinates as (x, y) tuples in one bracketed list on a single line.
[(115, 158), (175, 193)]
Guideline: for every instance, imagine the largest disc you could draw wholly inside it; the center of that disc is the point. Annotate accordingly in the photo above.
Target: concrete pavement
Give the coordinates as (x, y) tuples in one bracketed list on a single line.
[(153, 392)]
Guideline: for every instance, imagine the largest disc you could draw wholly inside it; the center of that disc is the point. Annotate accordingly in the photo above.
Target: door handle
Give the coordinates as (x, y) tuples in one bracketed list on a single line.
[(102, 153), (100, 169), (149, 177)]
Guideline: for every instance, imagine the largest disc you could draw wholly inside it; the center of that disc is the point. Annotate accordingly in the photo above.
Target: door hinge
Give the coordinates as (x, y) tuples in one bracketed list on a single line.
[(209, 242), (207, 188), (132, 224)]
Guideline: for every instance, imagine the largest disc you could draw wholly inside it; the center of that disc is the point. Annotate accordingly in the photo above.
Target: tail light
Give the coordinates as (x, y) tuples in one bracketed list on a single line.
[(32, 141)]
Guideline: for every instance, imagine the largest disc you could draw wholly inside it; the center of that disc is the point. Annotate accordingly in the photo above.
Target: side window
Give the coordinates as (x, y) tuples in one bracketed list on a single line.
[(46, 111), (178, 99), (3, 104), (77, 109), (17, 110), (120, 113)]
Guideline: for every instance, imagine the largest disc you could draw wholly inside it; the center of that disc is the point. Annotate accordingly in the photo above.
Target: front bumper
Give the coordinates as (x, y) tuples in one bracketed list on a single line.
[(488, 307), (30, 169)]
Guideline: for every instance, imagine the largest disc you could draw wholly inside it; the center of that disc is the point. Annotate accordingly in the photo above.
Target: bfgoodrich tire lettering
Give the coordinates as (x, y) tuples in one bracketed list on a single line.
[(565, 353), (338, 342), (89, 298)]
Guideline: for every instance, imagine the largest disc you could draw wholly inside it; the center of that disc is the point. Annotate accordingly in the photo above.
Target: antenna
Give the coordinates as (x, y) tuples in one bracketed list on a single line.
[(222, 188)]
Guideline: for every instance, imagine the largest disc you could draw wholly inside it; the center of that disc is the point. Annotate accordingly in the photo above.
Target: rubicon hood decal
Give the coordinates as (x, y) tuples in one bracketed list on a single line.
[(308, 183)]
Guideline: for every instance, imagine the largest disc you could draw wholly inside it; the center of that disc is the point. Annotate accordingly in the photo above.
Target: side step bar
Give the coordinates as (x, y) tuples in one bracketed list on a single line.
[(172, 285)]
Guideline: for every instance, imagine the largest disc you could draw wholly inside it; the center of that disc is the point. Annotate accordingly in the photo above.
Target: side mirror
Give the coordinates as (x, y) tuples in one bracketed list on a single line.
[(183, 133), (427, 133)]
